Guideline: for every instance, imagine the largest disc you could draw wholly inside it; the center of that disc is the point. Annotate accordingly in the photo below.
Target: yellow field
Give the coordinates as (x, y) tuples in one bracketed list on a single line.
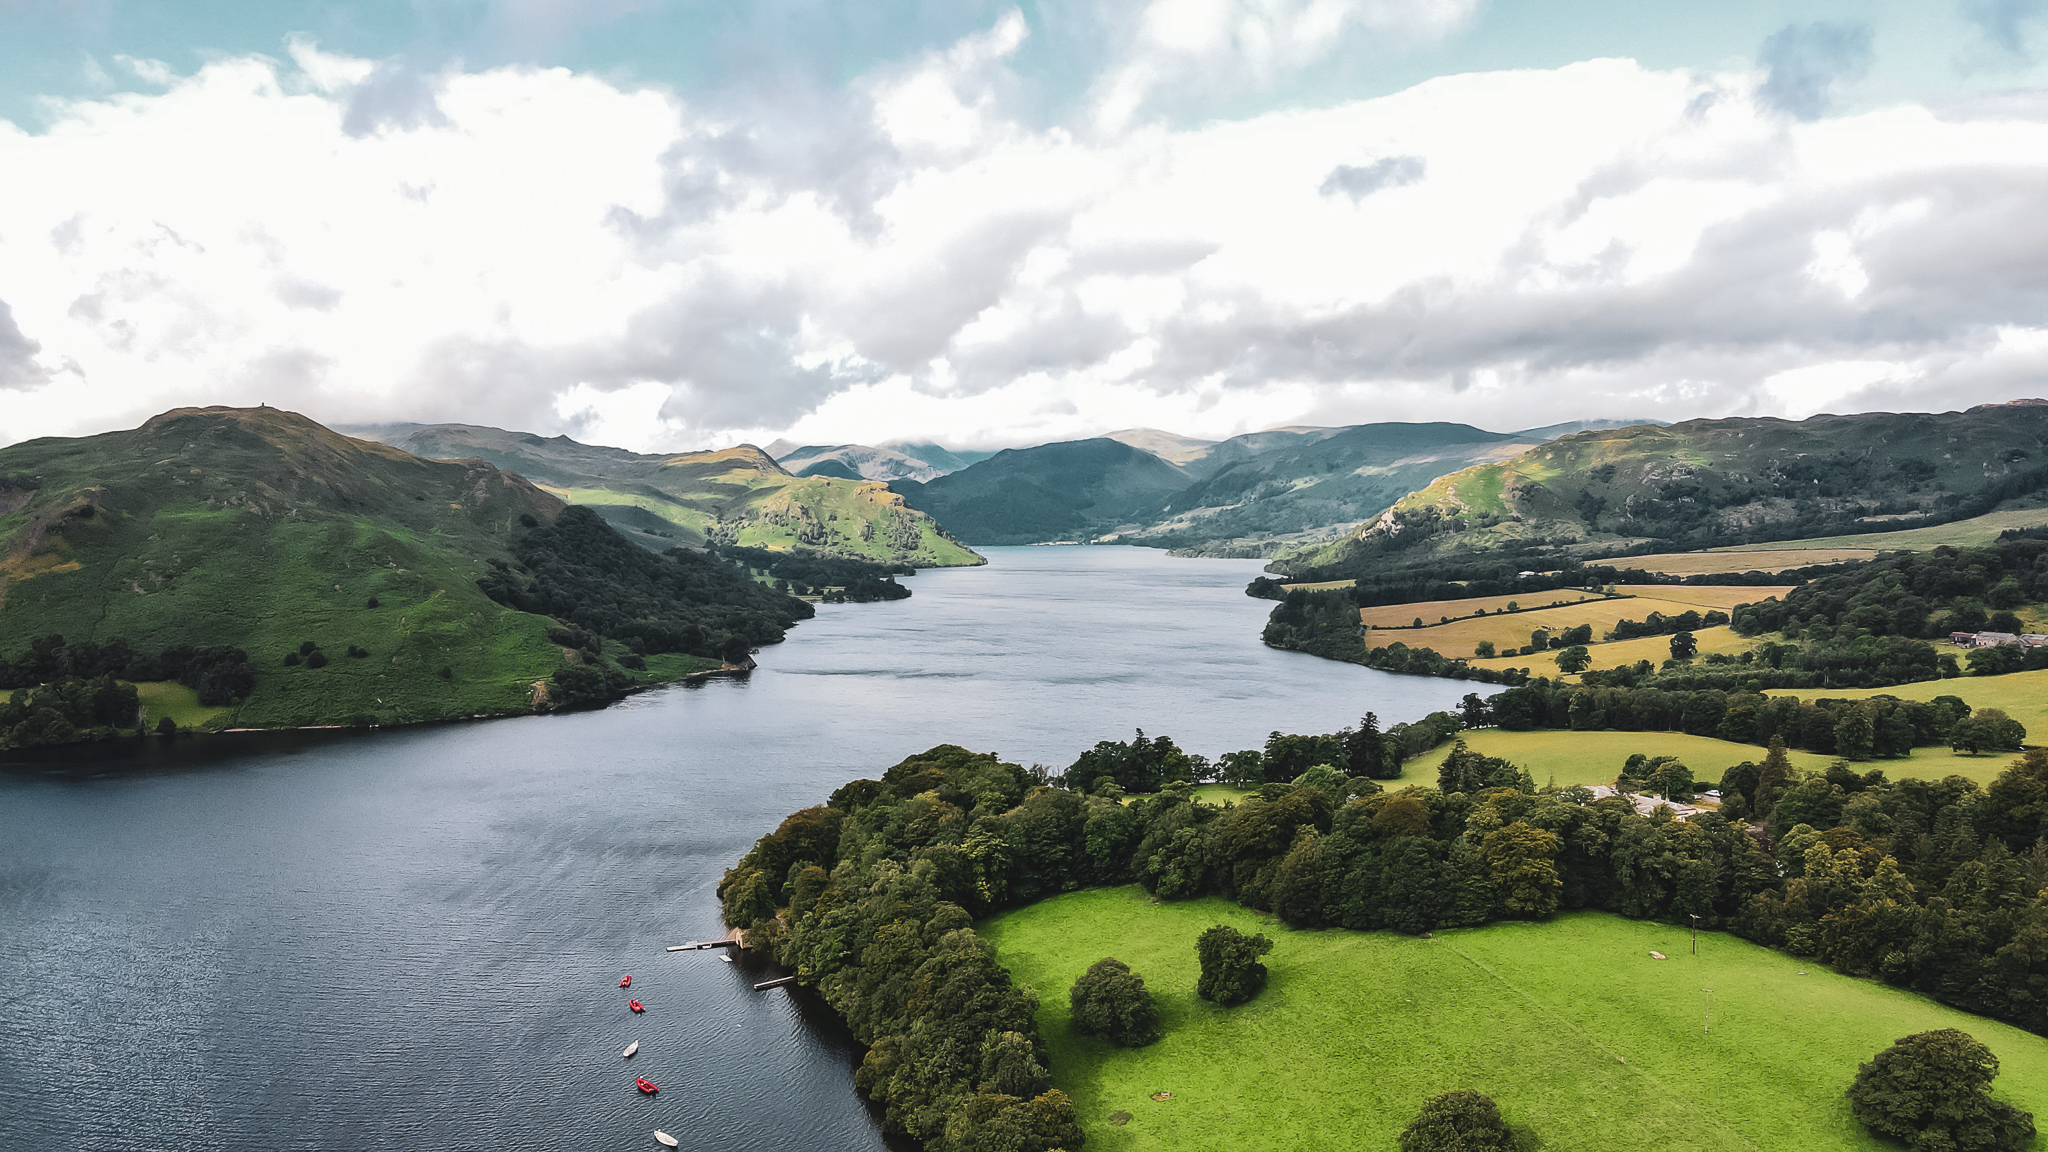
[(1400, 615), (1510, 630), (1703, 597), (1322, 586), (1707, 563)]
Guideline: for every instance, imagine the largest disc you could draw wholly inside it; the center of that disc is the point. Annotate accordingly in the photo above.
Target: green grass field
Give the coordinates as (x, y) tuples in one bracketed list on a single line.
[(2021, 695), (1589, 758), (1960, 534), (169, 698), (1586, 1042)]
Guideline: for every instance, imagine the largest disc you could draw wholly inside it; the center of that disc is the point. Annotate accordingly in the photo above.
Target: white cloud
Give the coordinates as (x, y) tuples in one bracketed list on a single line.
[(914, 256)]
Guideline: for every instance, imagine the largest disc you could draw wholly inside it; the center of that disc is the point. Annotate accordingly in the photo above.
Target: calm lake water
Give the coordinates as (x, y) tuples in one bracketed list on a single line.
[(413, 939)]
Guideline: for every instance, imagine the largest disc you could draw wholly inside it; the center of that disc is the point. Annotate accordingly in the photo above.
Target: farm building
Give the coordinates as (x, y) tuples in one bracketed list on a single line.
[(1994, 639)]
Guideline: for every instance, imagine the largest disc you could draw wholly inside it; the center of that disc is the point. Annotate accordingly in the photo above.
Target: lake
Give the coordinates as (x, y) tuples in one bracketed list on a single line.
[(413, 939)]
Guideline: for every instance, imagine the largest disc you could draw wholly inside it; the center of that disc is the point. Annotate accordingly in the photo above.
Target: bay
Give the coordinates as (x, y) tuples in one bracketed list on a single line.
[(413, 938)]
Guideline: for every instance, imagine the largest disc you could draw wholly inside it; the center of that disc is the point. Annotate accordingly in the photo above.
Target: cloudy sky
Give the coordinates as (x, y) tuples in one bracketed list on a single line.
[(681, 224)]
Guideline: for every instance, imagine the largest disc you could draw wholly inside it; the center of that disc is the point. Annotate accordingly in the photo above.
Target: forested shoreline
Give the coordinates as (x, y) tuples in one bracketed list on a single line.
[(871, 898)]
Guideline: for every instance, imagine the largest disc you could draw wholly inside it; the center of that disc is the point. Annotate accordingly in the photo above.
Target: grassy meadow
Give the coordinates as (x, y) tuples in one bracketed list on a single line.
[(1959, 534), (1585, 1041)]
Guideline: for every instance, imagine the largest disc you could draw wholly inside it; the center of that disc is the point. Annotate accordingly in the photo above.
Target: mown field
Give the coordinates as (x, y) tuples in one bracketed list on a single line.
[(1403, 615), (1509, 630), (1775, 558), (1584, 1040), (1619, 653)]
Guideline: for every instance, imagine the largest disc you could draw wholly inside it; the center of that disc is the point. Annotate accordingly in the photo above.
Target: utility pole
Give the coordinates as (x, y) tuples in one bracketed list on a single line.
[(1695, 934), (1707, 1012)]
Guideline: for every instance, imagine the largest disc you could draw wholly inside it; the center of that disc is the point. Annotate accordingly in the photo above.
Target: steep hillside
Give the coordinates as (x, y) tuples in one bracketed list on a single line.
[(1076, 489), (1705, 483), (260, 530), (735, 496)]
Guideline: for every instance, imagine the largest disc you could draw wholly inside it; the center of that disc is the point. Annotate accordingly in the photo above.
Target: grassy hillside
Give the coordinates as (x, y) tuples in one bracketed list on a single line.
[(1077, 489), (1705, 483), (1584, 1039), (735, 496), (262, 530)]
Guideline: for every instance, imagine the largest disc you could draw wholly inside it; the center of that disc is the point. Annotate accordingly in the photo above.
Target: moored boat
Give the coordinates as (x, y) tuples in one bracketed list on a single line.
[(630, 1049), (626, 981), (645, 1085), (664, 1138), (636, 1006)]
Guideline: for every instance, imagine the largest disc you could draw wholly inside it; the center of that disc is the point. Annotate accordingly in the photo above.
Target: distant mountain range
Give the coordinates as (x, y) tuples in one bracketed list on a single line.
[(1250, 495), (735, 496), (1706, 483)]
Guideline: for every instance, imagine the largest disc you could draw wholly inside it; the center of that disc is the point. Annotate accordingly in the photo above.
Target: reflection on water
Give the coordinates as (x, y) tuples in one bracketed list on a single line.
[(413, 939)]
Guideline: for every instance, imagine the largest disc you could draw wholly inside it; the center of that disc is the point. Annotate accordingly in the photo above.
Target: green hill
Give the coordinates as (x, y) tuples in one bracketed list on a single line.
[(1070, 490), (260, 530), (1710, 483), (736, 496)]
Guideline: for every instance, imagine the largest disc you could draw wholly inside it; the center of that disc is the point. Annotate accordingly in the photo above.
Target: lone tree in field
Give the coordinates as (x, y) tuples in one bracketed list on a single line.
[(1461, 1121), (1231, 972), (1574, 659), (1684, 646), (1110, 1001), (1932, 1091)]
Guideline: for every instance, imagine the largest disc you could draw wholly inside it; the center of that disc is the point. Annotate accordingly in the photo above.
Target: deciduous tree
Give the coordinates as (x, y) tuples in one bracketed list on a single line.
[(1231, 972), (1932, 1091), (1110, 1001), (1461, 1121)]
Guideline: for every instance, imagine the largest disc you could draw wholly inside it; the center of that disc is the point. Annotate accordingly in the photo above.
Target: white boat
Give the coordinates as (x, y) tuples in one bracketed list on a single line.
[(665, 1138), (727, 957), (630, 1049)]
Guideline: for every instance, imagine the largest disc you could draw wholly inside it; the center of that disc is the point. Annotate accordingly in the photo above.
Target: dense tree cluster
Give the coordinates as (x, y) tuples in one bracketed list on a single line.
[(1658, 624), (1930, 885), (1877, 727), (66, 710), (1394, 580), (836, 580), (582, 572), (1922, 595), (221, 675)]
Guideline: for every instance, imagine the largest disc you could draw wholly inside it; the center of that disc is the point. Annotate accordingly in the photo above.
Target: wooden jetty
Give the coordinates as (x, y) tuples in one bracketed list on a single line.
[(701, 945), (778, 982)]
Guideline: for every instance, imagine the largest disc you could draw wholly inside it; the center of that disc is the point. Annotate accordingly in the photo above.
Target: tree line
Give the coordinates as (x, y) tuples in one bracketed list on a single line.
[(66, 691), (835, 579)]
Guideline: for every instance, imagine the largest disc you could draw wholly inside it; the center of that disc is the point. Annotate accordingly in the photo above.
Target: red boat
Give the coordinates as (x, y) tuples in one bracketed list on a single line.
[(645, 1085), (625, 982), (636, 1006)]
